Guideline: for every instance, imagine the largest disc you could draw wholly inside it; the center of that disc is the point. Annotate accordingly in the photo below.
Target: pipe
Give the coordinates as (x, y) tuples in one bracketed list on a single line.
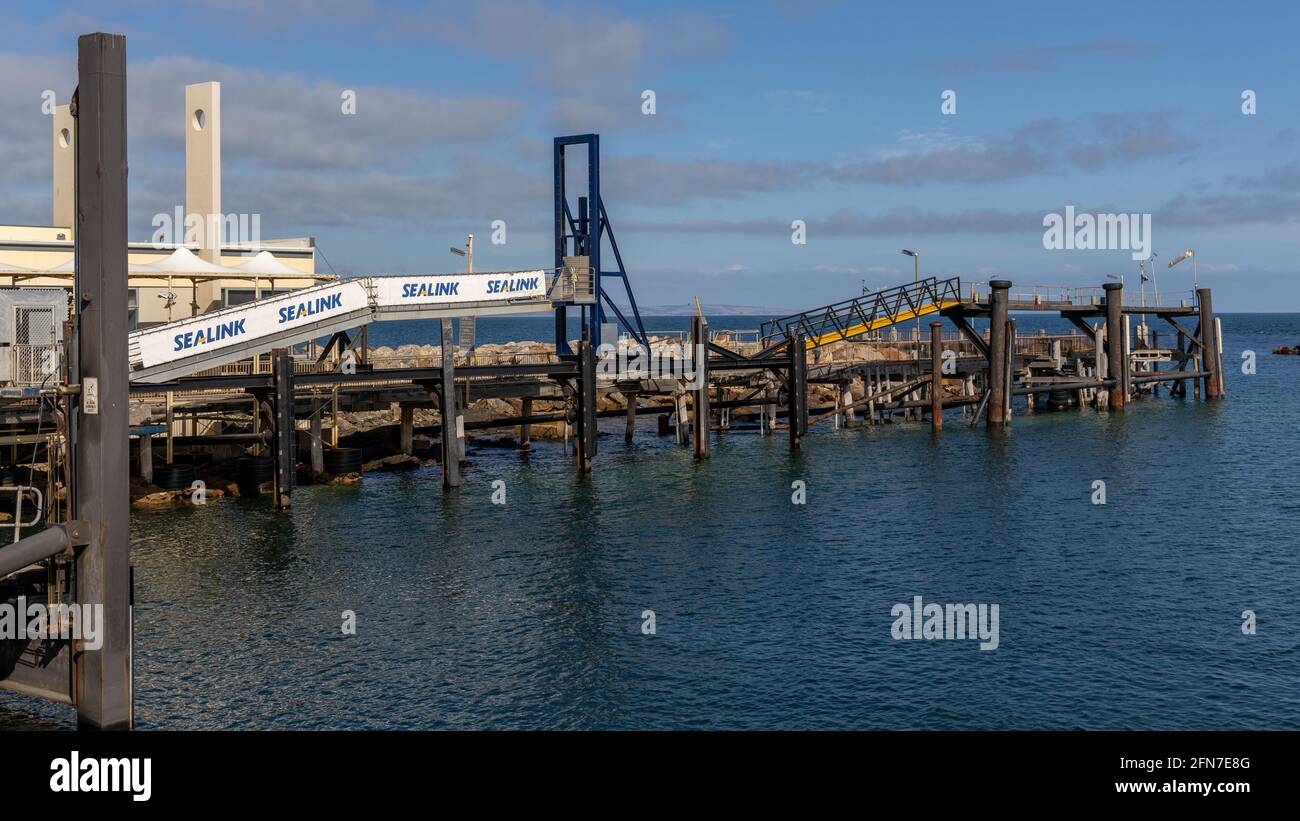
[(50, 541)]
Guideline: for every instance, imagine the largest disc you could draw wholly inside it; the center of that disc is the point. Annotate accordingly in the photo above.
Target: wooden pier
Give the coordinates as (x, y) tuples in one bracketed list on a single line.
[(842, 363)]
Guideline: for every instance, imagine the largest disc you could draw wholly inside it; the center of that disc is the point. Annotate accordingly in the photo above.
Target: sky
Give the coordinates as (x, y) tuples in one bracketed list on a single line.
[(765, 112)]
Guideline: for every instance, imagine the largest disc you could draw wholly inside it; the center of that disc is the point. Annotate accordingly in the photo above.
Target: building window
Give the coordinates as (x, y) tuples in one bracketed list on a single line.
[(132, 308), (242, 296)]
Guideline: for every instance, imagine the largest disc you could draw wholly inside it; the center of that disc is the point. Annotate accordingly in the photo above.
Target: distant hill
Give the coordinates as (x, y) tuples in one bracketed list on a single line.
[(711, 310)]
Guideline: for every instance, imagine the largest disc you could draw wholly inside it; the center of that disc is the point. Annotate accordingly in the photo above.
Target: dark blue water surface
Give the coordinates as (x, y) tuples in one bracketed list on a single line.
[(768, 614)]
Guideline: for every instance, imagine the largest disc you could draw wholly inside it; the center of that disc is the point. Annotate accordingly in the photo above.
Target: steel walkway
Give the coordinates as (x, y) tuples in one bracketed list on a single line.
[(186, 346), (870, 312)]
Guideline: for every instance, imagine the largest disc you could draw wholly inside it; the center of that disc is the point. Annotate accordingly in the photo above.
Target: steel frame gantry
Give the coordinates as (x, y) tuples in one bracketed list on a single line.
[(582, 234)]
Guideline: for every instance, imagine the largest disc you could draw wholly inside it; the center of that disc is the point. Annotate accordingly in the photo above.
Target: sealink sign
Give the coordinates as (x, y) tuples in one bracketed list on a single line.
[(415, 290), (311, 307), (508, 286), (212, 333)]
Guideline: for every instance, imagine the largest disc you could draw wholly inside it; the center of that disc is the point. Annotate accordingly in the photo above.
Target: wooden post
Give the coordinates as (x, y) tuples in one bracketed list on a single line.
[(145, 441), (797, 390), (447, 405), (936, 376), (285, 467), (317, 446), (101, 677), (700, 356), (1180, 387), (631, 416), (1116, 362), (526, 429), (406, 437), (1213, 365), (586, 439), (683, 429), (1011, 369), (171, 422), (996, 412)]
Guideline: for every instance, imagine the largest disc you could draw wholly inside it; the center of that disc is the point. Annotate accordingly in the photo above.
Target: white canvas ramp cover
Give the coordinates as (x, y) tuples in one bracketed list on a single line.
[(192, 344), (245, 323), (399, 291)]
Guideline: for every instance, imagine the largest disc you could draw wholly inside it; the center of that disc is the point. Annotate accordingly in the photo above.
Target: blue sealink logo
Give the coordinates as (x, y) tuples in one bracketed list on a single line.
[(193, 339)]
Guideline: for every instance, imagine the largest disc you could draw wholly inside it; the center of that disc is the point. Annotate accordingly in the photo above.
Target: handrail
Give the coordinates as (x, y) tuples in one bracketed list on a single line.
[(888, 304)]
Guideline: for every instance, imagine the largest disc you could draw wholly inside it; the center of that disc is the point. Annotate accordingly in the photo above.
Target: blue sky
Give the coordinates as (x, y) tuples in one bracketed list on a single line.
[(766, 112)]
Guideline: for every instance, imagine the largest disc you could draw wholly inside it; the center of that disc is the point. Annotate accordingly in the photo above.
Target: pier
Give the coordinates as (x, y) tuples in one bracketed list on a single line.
[(257, 390)]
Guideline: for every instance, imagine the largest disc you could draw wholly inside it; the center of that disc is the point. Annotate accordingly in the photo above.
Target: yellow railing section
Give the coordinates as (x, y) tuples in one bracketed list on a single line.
[(878, 323)]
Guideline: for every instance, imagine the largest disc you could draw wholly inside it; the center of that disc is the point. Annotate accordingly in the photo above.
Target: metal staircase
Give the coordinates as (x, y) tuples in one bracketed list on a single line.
[(870, 312)]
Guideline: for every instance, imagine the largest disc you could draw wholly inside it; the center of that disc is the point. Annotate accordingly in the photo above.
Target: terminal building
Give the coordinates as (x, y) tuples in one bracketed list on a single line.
[(214, 265)]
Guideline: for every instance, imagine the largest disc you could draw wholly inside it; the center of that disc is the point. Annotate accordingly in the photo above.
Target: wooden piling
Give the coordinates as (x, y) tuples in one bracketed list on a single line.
[(630, 428), (317, 445), (996, 412), (586, 433), (285, 472), (936, 376), (1116, 362), (447, 405), (145, 441), (700, 357), (797, 389), (526, 430), (101, 674), (406, 437), (1213, 363)]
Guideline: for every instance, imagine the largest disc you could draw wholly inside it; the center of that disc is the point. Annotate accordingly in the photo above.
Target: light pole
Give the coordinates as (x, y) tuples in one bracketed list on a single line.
[(916, 260), (1184, 255), (467, 251)]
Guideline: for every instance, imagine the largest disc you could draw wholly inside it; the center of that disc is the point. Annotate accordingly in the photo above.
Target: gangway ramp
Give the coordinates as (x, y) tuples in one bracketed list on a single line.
[(869, 312), (187, 346)]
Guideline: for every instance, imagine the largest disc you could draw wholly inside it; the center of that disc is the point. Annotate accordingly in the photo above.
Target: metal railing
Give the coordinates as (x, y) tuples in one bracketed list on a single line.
[(886, 306), (34, 365), (18, 524), (1049, 296), (573, 283)]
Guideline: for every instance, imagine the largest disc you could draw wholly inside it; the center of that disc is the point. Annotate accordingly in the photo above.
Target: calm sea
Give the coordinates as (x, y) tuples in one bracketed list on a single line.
[(766, 613)]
